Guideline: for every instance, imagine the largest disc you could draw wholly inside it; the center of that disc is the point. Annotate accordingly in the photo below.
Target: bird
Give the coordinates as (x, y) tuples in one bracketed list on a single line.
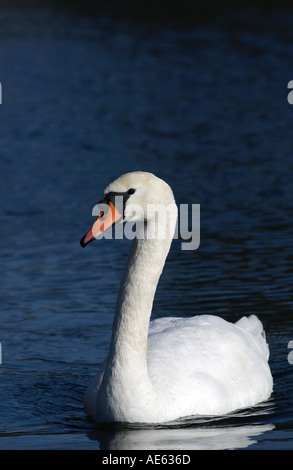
[(175, 367)]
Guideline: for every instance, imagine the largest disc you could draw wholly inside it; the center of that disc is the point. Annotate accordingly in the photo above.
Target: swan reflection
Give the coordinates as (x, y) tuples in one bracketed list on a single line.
[(195, 438)]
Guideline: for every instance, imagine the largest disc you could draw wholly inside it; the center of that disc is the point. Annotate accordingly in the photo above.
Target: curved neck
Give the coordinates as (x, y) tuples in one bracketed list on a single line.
[(136, 296), (126, 370), (138, 288)]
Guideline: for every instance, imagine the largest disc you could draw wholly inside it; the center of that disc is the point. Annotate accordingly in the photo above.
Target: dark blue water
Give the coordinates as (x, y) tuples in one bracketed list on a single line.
[(85, 99)]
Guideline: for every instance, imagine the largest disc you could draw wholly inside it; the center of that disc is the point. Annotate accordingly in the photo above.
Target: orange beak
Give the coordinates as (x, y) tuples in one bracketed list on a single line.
[(103, 222)]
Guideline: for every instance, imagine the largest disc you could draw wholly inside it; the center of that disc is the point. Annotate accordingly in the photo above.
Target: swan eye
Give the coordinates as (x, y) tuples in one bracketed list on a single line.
[(131, 191)]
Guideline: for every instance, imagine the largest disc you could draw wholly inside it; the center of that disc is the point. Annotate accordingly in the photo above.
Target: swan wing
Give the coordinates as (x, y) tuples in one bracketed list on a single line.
[(208, 365)]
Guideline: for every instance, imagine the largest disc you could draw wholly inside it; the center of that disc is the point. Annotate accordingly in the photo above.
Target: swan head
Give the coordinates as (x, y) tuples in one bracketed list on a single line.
[(133, 197)]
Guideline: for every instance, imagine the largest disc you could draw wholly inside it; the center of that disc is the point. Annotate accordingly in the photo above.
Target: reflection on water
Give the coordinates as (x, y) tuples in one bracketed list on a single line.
[(182, 439), (235, 431)]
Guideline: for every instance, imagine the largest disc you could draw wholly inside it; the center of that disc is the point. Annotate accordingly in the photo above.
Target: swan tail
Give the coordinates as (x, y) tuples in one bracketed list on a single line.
[(254, 326)]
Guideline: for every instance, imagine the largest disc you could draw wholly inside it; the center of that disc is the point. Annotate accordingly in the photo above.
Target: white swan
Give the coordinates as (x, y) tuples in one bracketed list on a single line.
[(168, 368)]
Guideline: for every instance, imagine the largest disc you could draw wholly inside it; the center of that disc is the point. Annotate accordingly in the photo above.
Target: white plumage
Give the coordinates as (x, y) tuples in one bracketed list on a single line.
[(170, 368)]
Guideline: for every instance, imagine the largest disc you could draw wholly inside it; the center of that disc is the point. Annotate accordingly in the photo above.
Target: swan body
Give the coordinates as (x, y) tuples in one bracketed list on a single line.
[(168, 368)]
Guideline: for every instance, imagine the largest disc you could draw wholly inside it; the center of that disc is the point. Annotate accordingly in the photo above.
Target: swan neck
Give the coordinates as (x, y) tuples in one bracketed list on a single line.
[(136, 296), (137, 291), (126, 370)]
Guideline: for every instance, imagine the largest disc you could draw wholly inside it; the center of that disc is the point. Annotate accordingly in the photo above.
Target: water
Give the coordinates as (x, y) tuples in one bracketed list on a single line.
[(85, 99)]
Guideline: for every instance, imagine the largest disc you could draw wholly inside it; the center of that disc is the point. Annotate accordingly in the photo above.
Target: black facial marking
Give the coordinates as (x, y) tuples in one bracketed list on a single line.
[(131, 191), (118, 199)]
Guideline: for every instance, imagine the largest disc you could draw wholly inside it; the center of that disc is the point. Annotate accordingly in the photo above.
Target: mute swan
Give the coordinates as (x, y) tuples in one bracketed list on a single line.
[(168, 368)]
